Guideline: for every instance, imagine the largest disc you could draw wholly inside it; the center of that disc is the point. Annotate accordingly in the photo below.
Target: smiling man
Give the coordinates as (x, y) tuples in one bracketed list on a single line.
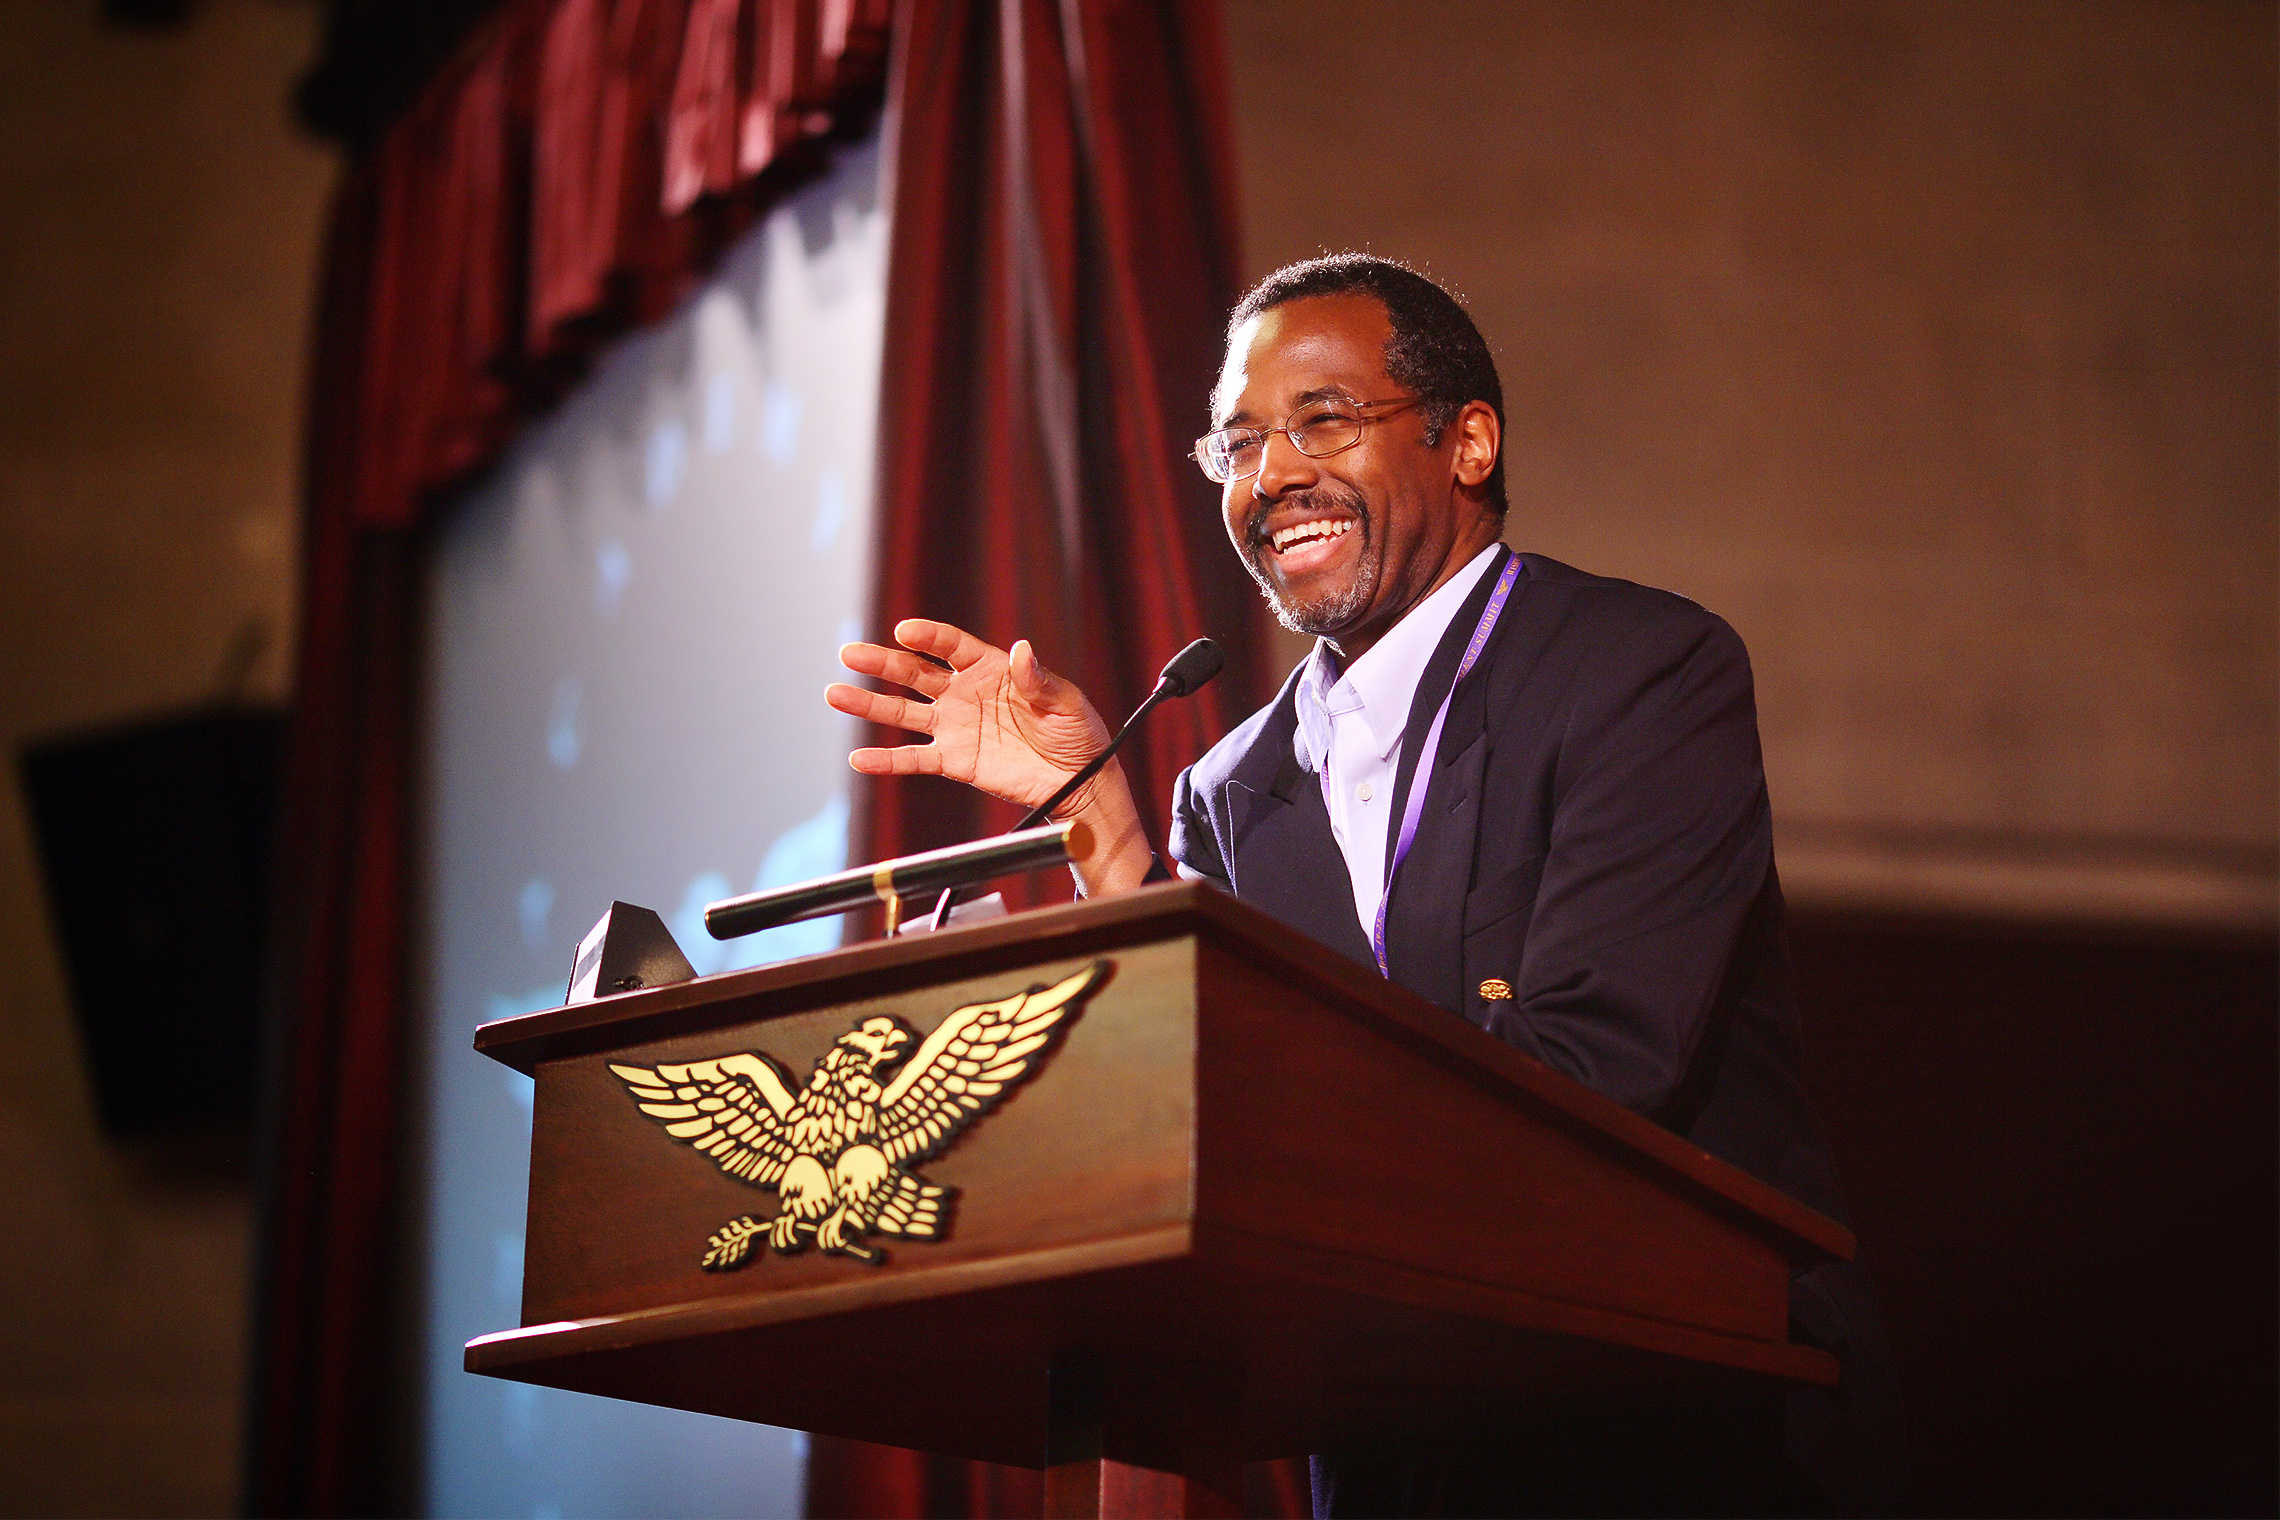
[(1544, 791)]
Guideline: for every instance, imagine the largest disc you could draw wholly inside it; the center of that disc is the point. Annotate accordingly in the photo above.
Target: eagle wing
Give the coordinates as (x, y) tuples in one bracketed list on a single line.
[(733, 1109), (965, 1065)]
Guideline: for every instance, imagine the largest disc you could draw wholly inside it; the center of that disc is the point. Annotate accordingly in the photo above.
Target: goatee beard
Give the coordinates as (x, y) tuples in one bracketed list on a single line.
[(1333, 610)]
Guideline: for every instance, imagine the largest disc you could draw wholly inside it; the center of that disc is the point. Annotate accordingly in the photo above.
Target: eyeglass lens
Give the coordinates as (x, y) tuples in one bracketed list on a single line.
[(1234, 453)]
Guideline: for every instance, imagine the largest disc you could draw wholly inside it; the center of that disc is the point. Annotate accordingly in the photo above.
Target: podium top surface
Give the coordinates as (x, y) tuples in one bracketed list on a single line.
[(1169, 911)]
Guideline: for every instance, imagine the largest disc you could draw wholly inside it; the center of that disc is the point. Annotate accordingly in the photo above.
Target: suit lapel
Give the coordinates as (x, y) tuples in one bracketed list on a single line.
[(1432, 685), (1425, 913), (1425, 916), (1281, 856)]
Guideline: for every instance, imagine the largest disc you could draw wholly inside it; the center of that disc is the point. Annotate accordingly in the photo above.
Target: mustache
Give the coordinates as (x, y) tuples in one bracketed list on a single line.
[(1321, 498)]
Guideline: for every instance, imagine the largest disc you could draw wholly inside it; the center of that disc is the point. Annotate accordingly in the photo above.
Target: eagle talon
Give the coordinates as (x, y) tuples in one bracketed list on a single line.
[(784, 1234), (830, 1235)]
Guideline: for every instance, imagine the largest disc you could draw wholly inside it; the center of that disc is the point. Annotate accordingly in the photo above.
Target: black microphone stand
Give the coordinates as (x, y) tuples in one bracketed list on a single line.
[(1186, 672)]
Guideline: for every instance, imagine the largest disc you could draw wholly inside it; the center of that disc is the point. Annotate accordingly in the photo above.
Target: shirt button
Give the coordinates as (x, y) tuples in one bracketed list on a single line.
[(1363, 791)]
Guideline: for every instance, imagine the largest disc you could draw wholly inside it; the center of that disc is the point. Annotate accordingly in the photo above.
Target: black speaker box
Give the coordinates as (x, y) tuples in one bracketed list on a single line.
[(155, 842)]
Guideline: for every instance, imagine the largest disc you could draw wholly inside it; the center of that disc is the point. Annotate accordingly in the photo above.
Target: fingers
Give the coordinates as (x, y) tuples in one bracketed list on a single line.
[(1044, 690), (909, 760), (943, 641), (928, 680), (878, 707)]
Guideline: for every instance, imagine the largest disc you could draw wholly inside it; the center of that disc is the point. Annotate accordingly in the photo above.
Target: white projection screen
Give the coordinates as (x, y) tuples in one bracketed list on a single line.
[(632, 620)]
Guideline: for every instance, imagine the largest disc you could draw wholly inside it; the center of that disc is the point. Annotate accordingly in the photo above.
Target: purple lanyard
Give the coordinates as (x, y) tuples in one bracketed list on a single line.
[(1415, 808)]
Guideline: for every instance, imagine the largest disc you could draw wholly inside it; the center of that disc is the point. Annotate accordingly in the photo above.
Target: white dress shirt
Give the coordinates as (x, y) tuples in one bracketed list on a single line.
[(1349, 728)]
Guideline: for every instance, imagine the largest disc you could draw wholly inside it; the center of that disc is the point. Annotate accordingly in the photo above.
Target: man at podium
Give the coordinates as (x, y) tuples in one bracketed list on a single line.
[(1530, 795)]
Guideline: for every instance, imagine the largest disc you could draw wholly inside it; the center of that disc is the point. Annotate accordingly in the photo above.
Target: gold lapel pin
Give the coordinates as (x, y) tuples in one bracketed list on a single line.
[(1496, 989)]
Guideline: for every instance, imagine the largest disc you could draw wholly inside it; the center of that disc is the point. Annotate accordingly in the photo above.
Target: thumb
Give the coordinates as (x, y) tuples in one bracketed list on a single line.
[(1030, 677), (1037, 685)]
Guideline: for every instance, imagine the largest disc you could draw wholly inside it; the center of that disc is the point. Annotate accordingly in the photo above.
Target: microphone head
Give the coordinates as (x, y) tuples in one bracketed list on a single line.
[(1193, 667)]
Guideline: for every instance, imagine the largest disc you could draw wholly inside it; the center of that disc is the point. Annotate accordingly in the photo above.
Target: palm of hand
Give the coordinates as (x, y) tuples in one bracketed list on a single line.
[(999, 720), (994, 736)]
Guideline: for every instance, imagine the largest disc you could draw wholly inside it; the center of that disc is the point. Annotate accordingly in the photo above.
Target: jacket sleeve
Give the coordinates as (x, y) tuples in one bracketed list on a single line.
[(1659, 847), (1193, 845)]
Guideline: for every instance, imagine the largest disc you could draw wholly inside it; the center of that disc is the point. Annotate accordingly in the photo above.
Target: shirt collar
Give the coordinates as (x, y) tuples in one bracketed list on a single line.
[(1383, 682)]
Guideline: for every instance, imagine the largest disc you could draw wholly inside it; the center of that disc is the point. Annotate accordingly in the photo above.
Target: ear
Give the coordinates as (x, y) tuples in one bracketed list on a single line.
[(1479, 437)]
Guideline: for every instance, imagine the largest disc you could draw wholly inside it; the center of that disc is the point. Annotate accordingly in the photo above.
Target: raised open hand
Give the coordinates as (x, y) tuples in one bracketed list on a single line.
[(999, 719)]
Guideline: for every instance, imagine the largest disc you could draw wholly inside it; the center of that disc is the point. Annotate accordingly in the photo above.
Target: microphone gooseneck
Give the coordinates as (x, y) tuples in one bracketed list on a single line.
[(1183, 675)]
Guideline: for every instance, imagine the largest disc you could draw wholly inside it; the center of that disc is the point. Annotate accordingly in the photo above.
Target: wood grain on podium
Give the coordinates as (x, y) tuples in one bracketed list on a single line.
[(1246, 1154)]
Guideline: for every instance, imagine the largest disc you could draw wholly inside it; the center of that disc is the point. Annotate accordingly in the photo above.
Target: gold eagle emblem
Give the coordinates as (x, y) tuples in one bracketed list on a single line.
[(837, 1151)]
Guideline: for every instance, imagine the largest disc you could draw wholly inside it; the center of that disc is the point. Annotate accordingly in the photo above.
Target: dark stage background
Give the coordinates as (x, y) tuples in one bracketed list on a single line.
[(2058, 1149)]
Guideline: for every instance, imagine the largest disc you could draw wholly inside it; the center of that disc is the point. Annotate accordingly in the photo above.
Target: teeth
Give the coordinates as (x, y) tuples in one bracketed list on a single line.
[(1311, 532)]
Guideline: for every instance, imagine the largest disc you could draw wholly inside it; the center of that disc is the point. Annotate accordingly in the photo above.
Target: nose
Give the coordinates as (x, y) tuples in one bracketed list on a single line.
[(1281, 468)]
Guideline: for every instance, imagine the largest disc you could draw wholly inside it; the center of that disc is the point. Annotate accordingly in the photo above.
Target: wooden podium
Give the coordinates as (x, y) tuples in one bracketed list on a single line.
[(1248, 1199)]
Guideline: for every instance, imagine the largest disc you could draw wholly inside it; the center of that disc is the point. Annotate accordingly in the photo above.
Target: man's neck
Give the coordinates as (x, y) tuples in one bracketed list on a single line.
[(1352, 646)]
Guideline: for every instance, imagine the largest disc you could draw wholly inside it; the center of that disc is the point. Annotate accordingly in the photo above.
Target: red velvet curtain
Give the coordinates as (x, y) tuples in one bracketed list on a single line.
[(323, 1353), (569, 174), (1063, 256)]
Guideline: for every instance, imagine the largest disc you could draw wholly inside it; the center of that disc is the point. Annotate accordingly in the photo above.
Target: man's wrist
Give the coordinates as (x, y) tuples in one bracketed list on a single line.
[(1115, 857)]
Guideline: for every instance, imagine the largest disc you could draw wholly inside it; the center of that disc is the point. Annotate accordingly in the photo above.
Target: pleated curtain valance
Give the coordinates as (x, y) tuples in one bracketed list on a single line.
[(569, 174)]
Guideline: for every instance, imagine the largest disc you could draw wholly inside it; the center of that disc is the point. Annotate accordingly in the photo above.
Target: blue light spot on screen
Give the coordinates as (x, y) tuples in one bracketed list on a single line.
[(816, 847), (514, 1005), (506, 1266), (780, 424), (613, 567), (720, 411), (562, 745), (850, 630), (830, 510), (666, 463), (688, 923), (522, 1088), (522, 1417), (534, 905)]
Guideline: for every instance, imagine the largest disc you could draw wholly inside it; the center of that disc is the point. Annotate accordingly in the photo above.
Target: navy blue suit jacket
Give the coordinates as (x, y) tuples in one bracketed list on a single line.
[(1596, 836)]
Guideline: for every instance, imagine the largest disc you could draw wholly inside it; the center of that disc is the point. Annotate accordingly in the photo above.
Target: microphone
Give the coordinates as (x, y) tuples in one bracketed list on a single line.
[(1192, 668), (1184, 674)]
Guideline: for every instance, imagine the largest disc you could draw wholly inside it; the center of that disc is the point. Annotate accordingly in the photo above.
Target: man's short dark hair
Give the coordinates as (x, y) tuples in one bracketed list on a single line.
[(1435, 350)]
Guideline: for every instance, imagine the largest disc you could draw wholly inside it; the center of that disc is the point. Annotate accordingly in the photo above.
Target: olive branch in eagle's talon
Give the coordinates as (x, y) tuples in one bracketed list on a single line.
[(727, 1247)]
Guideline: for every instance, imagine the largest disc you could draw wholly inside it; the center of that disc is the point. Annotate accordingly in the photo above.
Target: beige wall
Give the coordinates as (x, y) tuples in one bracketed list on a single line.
[(158, 228), (1934, 346)]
